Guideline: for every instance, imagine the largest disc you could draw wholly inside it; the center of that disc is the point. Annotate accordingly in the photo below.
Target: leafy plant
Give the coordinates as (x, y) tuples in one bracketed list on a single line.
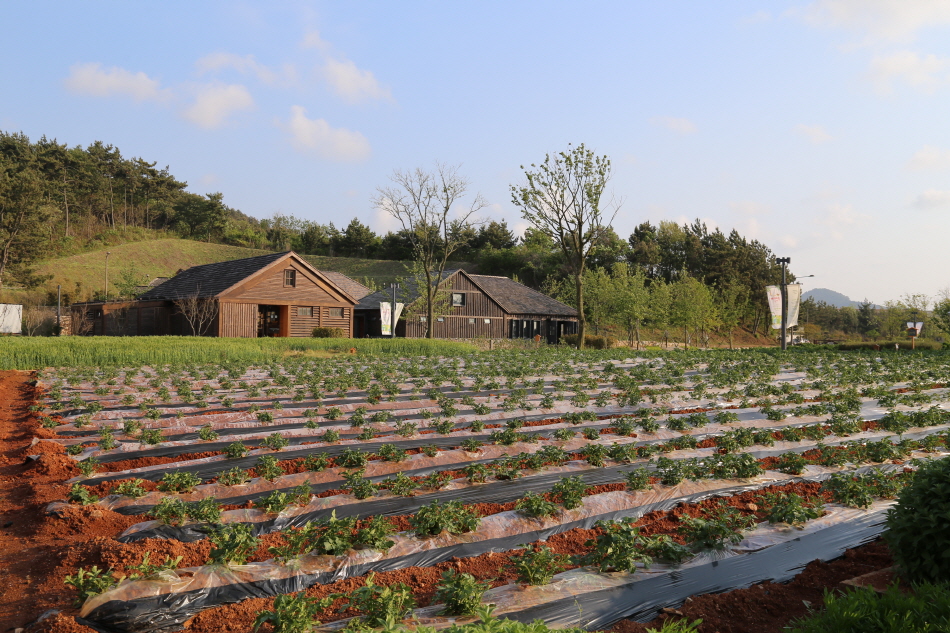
[(358, 485), (170, 511), (564, 434), (476, 473), (790, 508), (849, 489), (721, 527), (152, 437), (430, 450), (179, 481), (268, 467), (274, 502), (391, 453), (81, 495), (293, 614), (537, 564), (507, 468), (662, 547), (638, 479), (401, 485), (591, 433), (570, 492), (618, 548), (233, 477), (917, 534), (451, 517), (316, 463), (90, 582), (925, 609), (353, 458), (235, 450), (471, 445), (379, 604), (374, 533), (435, 481), (535, 505), (275, 441), (791, 463), (461, 593), (207, 433), (333, 536), (678, 626), (146, 569), (231, 544), (595, 454)]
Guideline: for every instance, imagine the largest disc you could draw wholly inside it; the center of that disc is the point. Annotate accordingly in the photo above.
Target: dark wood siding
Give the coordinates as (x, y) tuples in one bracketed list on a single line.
[(270, 290), (238, 320)]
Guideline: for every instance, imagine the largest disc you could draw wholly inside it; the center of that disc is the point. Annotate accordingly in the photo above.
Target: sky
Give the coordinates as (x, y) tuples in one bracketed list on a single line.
[(820, 128)]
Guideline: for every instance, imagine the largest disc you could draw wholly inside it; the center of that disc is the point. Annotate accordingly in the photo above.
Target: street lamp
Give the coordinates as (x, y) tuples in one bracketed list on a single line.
[(105, 290), (913, 328)]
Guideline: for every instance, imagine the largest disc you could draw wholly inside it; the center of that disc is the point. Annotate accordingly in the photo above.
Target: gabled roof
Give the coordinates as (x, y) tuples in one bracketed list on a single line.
[(407, 293), (211, 280), (511, 296), (350, 286), (516, 298)]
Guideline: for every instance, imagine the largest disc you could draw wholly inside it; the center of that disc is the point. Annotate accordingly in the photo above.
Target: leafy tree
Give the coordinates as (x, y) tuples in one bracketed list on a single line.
[(562, 199)]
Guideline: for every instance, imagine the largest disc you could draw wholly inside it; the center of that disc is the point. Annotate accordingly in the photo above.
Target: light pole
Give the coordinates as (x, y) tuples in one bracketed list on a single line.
[(105, 290), (784, 261)]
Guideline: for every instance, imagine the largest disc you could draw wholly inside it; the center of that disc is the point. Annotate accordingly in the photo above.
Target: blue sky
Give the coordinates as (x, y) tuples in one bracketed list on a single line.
[(820, 128)]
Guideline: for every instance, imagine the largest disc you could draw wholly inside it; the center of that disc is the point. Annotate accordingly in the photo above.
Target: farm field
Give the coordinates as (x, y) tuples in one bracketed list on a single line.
[(588, 489)]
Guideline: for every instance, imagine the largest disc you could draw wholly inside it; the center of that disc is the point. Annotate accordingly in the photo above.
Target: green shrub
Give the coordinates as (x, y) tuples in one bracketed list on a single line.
[(638, 479), (570, 492), (233, 477), (328, 332), (170, 511), (790, 508), (618, 548), (461, 593), (81, 495), (917, 532), (268, 467), (375, 532), (353, 458), (864, 610), (358, 485), (275, 442), (273, 503), (678, 626), (235, 450)]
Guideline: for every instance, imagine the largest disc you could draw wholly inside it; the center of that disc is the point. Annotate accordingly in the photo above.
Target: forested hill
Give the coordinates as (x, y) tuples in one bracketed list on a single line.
[(57, 202)]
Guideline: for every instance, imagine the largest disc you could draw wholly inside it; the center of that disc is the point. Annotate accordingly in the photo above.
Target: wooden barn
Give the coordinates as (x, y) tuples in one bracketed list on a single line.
[(474, 306), (270, 295)]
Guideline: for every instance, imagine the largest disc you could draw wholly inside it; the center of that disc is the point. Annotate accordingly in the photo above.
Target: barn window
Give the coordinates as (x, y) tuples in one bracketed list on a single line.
[(487, 320), (290, 278), (471, 321), (440, 320), (458, 299), (336, 313), (304, 311), (422, 319)]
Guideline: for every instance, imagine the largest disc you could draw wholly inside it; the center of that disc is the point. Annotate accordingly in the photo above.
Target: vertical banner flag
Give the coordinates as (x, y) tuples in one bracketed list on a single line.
[(386, 317), (775, 305), (794, 303)]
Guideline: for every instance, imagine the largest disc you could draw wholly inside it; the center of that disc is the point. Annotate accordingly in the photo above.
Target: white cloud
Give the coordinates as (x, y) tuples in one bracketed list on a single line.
[(92, 79), (887, 20), (353, 84), (924, 72), (932, 199), (678, 125), (317, 136), (815, 134), (930, 157), (838, 218), (788, 241), (245, 65), (313, 40), (216, 102)]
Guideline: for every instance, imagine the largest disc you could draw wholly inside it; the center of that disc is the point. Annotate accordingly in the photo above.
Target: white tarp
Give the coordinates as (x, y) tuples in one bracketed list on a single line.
[(11, 318)]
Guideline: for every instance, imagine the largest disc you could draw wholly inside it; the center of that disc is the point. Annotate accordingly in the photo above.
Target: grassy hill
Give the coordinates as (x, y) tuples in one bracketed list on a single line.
[(164, 257)]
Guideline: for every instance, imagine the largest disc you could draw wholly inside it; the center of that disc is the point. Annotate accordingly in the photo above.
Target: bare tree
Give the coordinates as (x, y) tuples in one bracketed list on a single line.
[(80, 321), (562, 200), (430, 208), (198, 312)]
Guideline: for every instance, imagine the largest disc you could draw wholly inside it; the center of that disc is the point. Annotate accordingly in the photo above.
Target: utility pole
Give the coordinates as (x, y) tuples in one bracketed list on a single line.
[(105, 290), (784, 261), (59, 303)]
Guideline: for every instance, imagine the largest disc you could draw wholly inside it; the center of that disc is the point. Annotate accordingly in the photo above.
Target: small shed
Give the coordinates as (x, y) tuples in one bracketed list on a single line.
[(473, 306), (278, 294)]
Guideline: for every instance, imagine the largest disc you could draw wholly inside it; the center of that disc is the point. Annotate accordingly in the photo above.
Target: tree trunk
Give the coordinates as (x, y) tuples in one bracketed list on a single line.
[(730, 338), (638, 336), (581, 321), (685, 338), (430, 307)]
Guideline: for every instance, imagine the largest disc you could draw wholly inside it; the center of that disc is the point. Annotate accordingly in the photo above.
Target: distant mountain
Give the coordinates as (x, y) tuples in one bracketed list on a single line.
[(830, 297)]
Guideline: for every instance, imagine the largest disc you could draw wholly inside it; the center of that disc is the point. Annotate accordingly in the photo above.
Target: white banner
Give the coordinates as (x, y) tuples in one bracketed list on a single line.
[(774, 294), (386, 316), (794, 303), (11, 318)]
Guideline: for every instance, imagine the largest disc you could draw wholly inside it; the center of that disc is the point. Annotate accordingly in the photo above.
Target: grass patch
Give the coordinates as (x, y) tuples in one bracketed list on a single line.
[(37, 353)]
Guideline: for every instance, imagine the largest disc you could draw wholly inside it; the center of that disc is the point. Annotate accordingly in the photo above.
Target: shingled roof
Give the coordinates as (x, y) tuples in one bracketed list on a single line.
[(516, 298), (210, 280), (513, 297), (350, 286)]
